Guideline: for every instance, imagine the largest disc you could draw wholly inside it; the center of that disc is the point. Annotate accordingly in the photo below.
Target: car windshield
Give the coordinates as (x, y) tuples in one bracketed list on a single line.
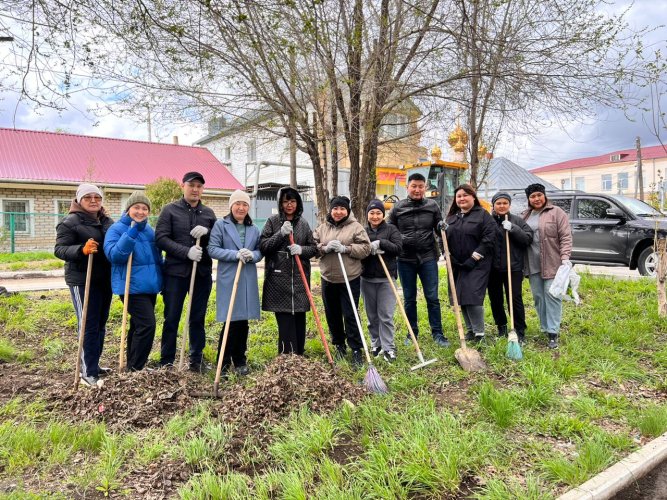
[(638, 207)]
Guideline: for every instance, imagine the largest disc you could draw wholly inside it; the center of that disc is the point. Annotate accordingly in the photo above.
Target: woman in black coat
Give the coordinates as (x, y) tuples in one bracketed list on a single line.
[(520, 237), (283, 292), (471, 234)]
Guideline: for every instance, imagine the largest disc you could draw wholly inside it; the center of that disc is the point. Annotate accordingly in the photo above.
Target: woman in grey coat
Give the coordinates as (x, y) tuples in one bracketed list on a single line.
[(283, 292), (235, 238)]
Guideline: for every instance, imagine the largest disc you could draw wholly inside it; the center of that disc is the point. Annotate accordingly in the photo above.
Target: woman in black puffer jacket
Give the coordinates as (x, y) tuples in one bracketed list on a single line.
[(80, 234), (283, 292)]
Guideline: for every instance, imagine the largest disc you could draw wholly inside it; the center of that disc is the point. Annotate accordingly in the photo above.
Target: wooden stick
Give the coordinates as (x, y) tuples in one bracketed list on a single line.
[(509, 277), (84, 318), (188, 307), (126, 302)]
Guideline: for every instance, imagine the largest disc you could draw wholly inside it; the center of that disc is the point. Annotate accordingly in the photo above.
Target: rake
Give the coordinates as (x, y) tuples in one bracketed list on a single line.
[(372, 381), (84, 318), (188, 307), (513, 347)]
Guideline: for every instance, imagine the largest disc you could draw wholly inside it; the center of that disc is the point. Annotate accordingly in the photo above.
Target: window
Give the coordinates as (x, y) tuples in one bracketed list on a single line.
[(580, 183), (566, 183), (395, 125), (622, 181), (62, 209), (564, 203), (21, 218), (228, 153), (252, 151), (606, 182), (592, 209)]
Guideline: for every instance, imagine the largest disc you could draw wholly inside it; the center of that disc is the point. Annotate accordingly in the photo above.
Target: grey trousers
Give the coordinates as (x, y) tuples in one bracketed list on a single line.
[(380, 304), (474, 318)]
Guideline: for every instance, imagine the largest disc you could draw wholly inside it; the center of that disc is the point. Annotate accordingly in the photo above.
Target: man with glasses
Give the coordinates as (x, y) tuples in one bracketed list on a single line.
[(178, 227)]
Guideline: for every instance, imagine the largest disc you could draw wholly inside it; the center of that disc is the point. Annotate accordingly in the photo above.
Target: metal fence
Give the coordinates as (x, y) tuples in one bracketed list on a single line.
[(27, 232)]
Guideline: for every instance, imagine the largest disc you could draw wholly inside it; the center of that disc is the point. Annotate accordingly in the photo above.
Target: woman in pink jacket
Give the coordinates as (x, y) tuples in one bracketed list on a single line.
[(551, 247)]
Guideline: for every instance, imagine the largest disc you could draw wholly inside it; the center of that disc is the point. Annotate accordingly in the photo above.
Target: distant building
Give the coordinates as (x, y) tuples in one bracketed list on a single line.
[(505, 175), (613, 173), (40, 171)]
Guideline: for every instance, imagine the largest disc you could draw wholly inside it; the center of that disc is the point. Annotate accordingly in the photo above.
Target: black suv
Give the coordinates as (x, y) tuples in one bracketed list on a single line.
[(608, 230)]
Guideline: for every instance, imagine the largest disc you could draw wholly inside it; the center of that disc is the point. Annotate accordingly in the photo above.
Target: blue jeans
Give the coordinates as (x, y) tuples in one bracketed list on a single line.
[(549, 308), (428, 275)]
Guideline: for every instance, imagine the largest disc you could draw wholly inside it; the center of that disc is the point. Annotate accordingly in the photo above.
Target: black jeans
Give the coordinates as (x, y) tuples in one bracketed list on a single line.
[(340, 315), (174, 292), (141, 333), (237, 344), (96, 323), (499, 292), (291, 332)]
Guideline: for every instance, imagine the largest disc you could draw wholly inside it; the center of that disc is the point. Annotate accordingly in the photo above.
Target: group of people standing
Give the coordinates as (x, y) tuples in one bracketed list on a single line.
[(363, 257)]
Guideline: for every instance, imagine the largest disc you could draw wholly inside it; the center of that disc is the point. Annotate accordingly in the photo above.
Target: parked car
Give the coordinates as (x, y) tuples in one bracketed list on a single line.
[(607, 229)]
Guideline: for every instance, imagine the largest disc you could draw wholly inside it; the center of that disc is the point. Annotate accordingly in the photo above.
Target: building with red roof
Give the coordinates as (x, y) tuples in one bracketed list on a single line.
[(40, 171), (614, 172)]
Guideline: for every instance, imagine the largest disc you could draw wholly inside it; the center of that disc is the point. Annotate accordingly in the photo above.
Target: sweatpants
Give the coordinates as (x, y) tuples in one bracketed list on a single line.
[(474, 318), (99, 301), (340, 315), (380, 304), (141, 333), (291, 332), (498, 282), (237, 344)]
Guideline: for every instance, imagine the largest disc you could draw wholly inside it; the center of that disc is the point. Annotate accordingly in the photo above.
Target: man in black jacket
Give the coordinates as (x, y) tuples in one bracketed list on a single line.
[(520, 237), (179, 226), (417, 219)]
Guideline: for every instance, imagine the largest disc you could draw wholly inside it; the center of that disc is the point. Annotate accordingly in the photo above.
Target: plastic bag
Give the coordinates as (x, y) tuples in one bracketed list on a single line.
[(574, 286), (561, 281)]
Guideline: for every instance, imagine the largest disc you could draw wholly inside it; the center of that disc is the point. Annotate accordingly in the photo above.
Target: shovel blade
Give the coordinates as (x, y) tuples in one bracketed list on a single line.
[(470, 360)]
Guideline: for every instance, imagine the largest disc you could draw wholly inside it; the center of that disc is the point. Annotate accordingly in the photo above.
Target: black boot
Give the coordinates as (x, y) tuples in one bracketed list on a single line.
[(553, 341), (341, 352), (470, 336), (522, 336), (502, 330)]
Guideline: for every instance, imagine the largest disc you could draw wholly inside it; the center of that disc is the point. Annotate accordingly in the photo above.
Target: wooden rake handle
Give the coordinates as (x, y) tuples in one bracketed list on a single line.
[(188, 307), (509, 276), (230, 309), (126, 302), (452, 286), (312, 303), (354, 309), (84, 318)]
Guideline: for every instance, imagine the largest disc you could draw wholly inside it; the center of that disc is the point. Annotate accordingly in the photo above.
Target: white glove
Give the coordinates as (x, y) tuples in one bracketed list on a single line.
[(477, 256), (246, 255), (195, 253), (337, 246), (507, 225), (295, 249), (286, 228), (198, 231), (566, 262), (375, 248)]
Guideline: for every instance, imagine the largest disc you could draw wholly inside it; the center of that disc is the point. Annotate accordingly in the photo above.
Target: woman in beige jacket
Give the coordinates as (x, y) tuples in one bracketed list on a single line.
[(342, 234), (551, 247)]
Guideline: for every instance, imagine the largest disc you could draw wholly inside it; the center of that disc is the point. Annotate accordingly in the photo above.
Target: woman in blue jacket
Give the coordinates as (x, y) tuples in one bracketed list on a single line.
[(235, 238), (132, 235)]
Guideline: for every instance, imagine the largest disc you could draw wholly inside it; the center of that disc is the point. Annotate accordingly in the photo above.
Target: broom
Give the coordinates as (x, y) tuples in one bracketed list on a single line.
[(372, 381), (513, 347)]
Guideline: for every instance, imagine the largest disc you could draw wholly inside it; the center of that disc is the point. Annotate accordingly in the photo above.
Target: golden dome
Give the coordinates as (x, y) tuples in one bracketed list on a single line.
[(458, 139), (436, 153), (482, 150)]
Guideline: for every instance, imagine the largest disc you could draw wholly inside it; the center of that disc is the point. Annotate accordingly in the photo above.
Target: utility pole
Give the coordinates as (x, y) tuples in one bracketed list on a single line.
[(150, 128), (640, 174)]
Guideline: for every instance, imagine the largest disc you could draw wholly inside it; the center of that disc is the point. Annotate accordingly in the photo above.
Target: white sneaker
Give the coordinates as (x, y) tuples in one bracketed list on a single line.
[(91, 381), (389, 356)]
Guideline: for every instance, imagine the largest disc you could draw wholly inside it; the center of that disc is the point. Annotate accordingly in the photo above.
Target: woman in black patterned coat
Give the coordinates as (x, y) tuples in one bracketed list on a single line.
[(283, 291)]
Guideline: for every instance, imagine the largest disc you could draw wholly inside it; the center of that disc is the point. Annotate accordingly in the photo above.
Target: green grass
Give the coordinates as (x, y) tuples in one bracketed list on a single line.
[(518, 430), (26, 257)]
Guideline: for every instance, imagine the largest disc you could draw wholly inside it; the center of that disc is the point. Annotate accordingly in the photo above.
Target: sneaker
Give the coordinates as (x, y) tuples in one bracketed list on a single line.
[(167, 367), (242, 370), (90, 381), (522, 336), (104, 371), (553, 341), (502, 330), (376, 351), (201, 368), (470, 336), (341, 352), (357, 359), (441, 341), (389, 356), (479, 337)]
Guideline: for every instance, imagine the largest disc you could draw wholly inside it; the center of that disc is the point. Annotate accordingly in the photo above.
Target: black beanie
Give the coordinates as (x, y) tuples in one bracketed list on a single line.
[(500, 195), (340, 201), (534, 188), (375, 204)]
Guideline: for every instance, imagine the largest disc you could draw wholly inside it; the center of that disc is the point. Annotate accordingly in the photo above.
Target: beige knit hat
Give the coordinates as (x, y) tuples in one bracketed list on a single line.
[(239, 195), (137, 197)]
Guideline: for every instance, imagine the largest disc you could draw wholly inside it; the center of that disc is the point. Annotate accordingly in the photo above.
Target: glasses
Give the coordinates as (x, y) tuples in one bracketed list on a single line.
[(92, 198), (289, 202)]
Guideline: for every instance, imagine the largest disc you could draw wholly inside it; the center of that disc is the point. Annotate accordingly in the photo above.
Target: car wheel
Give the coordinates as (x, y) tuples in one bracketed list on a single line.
[(647, 262)]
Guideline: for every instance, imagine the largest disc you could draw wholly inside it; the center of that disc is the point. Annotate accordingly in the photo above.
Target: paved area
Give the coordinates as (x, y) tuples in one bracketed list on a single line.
[(653, 486)]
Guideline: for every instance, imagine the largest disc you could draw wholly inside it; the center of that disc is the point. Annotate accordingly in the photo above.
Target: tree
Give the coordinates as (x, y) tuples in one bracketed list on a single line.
[(161, 192)]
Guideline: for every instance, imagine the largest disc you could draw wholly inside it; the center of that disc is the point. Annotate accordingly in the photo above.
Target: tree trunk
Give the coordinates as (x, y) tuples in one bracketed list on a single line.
[(661, 275)]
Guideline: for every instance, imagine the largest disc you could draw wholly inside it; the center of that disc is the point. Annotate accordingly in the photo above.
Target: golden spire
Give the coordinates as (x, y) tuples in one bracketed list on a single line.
[(436, 153), (458, 139)]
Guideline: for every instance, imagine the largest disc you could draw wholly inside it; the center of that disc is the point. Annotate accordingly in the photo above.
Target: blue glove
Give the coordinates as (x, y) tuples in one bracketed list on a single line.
[(141, 225)]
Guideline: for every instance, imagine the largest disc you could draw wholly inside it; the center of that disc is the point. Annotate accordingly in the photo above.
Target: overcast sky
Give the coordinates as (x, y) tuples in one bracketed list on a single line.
[(609, 131)]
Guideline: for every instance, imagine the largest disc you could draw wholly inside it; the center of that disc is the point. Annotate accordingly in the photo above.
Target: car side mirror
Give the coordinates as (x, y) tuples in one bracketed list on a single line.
[(615, 213)]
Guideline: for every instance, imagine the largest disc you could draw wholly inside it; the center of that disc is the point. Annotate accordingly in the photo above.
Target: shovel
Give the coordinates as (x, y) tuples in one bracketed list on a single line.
[(469, 359), (126, 302), (312, 303), (186, 326), (221, 355), (422, 363), (84, 317)]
